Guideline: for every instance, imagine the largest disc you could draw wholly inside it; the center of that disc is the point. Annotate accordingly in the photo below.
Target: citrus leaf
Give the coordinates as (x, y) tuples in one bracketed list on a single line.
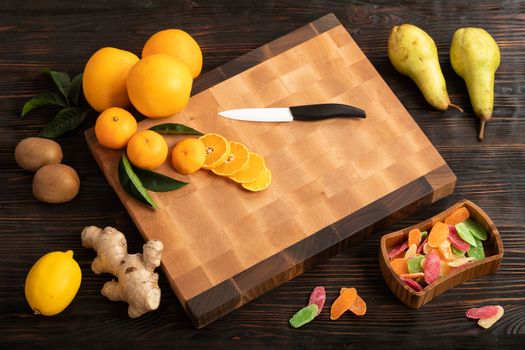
[(131, 183), (74, 89), (157, 182), (42, 100), (61, 79), (65, 120), (174, 128)]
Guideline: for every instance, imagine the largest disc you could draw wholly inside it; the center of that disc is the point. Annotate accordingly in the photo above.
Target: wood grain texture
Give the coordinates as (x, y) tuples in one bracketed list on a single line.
[(63, 34), (323, 172), (493, 250)]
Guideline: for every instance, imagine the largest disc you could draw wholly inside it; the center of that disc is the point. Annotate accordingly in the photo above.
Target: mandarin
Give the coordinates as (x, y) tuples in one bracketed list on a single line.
[(147, 150), (114, 127)]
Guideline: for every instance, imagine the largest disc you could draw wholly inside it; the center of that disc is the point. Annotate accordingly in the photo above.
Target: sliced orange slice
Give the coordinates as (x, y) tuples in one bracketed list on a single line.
[(217, 150), (251, 171), (260, 183), (237, 159)]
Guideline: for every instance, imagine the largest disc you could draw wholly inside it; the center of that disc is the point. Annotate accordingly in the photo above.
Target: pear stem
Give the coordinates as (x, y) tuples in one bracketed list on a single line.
[(481, 130), (456, 107)]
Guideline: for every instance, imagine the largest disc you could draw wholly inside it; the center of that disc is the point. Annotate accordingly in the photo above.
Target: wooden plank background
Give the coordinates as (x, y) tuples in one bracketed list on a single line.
[(62, 35)]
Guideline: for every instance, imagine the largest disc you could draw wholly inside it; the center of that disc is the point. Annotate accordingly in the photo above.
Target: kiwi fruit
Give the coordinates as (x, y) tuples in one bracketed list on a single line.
[(35, 152), (55, 183)]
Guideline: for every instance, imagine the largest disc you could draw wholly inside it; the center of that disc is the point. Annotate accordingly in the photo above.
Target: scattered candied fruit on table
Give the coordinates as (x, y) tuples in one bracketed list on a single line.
[(486, 315), (348, 299)]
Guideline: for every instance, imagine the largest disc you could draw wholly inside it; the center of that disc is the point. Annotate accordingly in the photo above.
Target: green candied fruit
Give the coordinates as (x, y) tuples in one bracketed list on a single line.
[(465, 234), (477, 252), (424, 235), (458, 253), (303, 316), (414, 264), (476, 229)]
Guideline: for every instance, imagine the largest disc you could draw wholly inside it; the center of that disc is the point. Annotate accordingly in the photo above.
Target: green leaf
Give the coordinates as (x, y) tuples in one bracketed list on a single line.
[(157, 182), (74, 89), (131, 183), (61, 79), (477, 252), (465, 234), (476, 229), (42, 100), (65, 120), (174, 128)]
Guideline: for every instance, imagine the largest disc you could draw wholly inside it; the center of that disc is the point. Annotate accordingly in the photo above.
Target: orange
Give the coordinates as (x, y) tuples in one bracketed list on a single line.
[(159, 86), (177, 43), (260, 183), (251, 171), (188, 156), (104, 79), (217, 150), (237, 159), (147, 150), (114, 127)]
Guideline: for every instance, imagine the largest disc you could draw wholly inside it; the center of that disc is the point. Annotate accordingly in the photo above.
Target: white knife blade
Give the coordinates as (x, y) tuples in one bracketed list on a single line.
[(259, 114)]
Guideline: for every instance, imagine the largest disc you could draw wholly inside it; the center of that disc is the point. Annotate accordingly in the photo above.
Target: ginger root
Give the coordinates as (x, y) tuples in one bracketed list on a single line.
[(137, 283)]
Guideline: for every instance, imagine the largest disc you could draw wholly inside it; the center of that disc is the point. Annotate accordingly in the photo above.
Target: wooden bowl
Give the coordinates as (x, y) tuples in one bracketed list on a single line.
[(493, 252)]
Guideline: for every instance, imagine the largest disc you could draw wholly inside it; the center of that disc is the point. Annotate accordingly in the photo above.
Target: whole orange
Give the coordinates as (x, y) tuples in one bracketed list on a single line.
[(177, 43), (114, 127), (147, 150), (159, 86), (104, 79), (188, 156)]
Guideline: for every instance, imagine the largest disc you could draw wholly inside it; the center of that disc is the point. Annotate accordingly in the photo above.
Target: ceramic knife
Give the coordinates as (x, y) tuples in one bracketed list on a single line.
[(288, 114)]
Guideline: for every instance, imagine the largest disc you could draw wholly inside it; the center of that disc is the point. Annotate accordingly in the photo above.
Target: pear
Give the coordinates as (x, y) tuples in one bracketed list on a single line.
[(413, 53), (475, 57)]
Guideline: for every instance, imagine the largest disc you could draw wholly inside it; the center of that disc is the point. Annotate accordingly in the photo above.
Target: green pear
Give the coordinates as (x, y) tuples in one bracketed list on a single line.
[(475, 57), (413, 53)]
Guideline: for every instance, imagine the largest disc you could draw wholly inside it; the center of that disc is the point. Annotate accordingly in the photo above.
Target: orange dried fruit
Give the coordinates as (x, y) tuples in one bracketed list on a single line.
[(217, 150), (400, 266), (412, 276), (343, 302), (438, 234), (459, 215), (260, 183), (358, 307), (251, 171), (236, 160), (414, 237)]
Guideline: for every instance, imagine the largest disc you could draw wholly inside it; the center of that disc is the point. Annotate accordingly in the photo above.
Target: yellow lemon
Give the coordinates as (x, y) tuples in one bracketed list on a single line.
[(52, 283)]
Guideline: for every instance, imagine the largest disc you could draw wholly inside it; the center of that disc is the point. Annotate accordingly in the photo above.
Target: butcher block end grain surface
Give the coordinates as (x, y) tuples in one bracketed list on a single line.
[(334, 181)]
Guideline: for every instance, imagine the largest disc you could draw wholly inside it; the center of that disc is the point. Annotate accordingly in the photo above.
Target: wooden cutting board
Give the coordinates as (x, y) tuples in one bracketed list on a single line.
[(334, 181)]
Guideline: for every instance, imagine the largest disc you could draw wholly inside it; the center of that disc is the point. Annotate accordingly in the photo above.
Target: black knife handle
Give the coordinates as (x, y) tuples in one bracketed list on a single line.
[(325, 111)]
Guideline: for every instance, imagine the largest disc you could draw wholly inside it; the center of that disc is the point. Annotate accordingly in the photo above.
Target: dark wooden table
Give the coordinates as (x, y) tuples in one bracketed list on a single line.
[(63, 34)]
